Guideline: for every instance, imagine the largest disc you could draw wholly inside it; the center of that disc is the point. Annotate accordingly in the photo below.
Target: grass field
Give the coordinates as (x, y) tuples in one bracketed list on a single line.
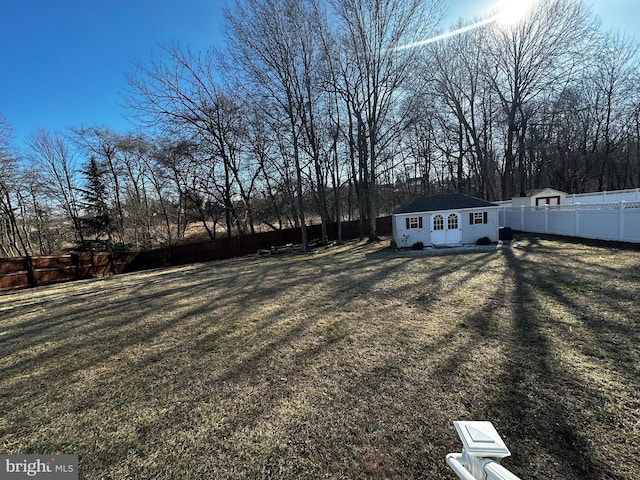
[(350, 363)]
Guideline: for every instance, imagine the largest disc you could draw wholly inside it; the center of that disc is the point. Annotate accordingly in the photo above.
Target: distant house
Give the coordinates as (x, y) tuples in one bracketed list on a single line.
[(450, 219), (539, 197)]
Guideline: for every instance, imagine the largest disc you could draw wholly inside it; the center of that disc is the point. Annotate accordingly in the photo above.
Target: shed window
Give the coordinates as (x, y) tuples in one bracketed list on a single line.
[(452, 221), (414, 222), (555, 200), (438, 222), (477, 218)]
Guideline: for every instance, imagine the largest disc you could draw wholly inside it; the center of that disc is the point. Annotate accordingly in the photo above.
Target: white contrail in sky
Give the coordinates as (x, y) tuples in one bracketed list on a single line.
[(509, 12), (452, 33)]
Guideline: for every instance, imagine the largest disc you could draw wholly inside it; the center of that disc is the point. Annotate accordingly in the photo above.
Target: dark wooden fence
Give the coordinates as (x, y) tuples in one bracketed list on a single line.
[(33, 271)]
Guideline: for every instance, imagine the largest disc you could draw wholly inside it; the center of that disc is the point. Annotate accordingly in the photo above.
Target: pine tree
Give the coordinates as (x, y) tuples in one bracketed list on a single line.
[(98, 220)]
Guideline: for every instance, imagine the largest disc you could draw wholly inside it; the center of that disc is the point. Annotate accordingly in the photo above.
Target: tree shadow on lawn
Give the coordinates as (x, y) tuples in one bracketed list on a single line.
[(361, 418), (542, 408), (95, 326), (547, 414), (109, 342), (295, 368), (597, 293), (300, 364)]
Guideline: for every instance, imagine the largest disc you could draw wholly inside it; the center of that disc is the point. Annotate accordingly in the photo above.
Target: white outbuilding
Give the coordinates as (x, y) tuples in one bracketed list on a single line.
[(539, 198), (445, 220)]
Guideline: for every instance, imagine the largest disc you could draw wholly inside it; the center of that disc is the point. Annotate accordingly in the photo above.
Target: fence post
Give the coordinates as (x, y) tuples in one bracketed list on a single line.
[(31, 277), (522, 217), (482, 448), (76, 265), (621, 221), (577, 215), (546, 210), (112, 263)]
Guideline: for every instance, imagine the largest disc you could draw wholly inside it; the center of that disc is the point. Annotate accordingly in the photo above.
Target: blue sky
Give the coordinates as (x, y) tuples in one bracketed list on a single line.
[(64, 63)]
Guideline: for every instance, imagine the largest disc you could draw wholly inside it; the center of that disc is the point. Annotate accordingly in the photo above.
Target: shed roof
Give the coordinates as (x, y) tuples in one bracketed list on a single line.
[(537, 191), (449, 201)]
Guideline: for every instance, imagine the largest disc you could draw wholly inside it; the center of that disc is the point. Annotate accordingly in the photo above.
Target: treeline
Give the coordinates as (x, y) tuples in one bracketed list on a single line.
[(338, 109)]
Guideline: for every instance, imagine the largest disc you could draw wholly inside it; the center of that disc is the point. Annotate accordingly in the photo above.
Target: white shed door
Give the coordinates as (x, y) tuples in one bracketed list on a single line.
[(446, 228), (454, 228)]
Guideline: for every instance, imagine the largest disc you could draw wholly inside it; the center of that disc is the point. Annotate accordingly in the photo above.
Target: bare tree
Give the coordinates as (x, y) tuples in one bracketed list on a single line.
[(12, 240), (372, 36), (132, 153), (182, 94), (614, 81), (274, 188), (51, 155), (264, 42), (583, 138), (534, 58), (166, 197), (460, 87), (173, 160), (45, 229)]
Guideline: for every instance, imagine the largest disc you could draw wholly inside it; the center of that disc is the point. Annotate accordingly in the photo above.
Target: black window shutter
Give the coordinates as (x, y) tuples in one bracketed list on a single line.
[(407, 219), (419, 222), (485, 217), (471, 218)]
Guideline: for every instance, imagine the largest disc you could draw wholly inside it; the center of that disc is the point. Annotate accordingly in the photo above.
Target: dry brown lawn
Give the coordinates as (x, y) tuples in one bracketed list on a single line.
[(351, 363)]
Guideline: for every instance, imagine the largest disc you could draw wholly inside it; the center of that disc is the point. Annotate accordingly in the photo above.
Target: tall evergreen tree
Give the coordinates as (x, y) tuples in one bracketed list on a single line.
[(98, 220)]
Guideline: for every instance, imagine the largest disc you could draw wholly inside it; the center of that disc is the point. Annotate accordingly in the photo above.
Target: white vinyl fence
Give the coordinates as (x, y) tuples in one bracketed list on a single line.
[(618, 221), (629, 195)]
